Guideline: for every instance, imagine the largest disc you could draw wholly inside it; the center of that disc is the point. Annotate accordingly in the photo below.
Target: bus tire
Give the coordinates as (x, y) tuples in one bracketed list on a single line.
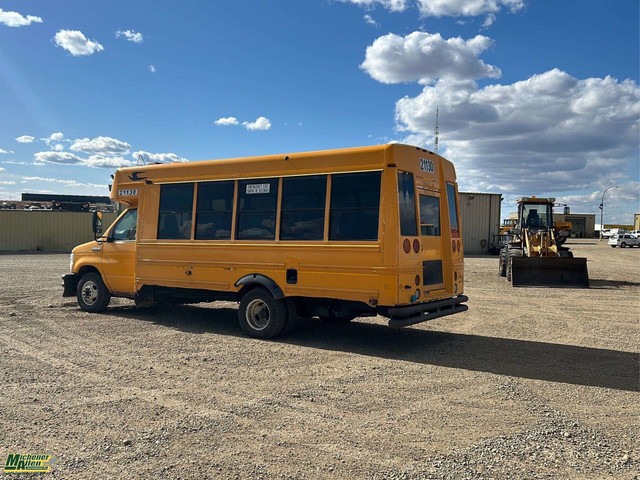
[(93, 295), (260, 315)]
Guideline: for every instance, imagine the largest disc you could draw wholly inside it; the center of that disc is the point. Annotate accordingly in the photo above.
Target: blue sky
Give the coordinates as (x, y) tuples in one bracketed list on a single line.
[(534, 97)]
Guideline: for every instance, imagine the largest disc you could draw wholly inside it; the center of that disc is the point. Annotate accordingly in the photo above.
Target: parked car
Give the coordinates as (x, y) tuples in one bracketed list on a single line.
[(623, 240)]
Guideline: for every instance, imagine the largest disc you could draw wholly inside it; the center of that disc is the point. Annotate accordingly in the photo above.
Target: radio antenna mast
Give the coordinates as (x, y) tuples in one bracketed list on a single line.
[(437, 132)]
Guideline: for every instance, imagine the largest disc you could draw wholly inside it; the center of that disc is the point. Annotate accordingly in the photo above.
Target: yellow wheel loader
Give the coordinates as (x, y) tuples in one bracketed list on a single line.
[(534, 256)]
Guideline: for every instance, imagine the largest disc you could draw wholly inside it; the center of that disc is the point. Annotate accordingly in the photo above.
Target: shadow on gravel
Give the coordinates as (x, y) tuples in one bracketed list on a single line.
[(611, 284), (501, 356)]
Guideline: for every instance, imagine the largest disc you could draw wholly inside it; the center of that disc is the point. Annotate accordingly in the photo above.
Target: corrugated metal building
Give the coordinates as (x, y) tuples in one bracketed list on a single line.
[(46, 230), (480, 214)]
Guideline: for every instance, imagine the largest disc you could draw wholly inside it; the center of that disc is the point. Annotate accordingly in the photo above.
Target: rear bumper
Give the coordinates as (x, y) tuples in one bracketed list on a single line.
[(410, 315), (70, 284)]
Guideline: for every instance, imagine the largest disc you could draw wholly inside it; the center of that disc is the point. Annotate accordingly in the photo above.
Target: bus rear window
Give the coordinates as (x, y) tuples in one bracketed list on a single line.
[(429, 216), (355, 206), (407, 203), (453, 212)]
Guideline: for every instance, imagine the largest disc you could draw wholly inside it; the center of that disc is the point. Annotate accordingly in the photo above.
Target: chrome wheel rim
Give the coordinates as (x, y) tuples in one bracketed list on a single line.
[(258, 314), (89, 293)]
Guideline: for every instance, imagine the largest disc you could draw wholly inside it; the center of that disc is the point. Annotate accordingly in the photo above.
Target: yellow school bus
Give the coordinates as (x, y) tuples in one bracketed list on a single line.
[(333, 234)]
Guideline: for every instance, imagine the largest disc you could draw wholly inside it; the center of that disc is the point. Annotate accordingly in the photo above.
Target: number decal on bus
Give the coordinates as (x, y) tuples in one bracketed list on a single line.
[(426, 165)]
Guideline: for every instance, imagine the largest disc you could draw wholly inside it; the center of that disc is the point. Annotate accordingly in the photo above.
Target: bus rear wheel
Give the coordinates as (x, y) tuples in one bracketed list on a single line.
[(93, 295), (260, 315)]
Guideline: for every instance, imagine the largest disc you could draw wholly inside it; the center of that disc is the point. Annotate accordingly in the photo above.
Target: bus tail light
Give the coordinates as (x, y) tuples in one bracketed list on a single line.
[(406, 245)]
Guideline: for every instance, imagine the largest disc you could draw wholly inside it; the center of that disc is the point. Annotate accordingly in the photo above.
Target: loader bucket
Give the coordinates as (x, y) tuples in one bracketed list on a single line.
[(549, 271)]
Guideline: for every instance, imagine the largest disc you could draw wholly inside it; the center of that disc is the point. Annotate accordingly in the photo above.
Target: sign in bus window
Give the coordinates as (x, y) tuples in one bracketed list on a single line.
[(214, 210), (175, 212), (303, 206), (429, 216), (355, 206), (257, 204)]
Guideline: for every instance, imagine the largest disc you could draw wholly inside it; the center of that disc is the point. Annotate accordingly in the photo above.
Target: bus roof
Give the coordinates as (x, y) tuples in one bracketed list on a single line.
[(287, 164)]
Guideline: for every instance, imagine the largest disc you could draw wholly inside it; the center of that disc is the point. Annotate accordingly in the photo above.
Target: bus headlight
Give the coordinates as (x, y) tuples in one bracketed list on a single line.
[(71, 263)]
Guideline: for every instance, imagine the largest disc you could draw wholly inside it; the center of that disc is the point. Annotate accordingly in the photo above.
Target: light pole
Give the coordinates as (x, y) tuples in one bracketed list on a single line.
[(602, 209)]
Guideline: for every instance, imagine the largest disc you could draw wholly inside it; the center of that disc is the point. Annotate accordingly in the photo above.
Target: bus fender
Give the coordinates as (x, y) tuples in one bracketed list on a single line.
[(263, 281)]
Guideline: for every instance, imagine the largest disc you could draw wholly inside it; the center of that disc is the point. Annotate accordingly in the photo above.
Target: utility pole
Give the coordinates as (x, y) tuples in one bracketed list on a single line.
[(602, 209), (437, 133)]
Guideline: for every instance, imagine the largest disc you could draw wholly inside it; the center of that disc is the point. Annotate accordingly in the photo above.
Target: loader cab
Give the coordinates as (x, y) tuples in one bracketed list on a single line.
[(534, 213)]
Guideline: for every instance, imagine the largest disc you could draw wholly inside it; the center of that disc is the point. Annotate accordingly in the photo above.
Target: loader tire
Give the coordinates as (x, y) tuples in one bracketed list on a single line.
[(513, 252), (502, 263)]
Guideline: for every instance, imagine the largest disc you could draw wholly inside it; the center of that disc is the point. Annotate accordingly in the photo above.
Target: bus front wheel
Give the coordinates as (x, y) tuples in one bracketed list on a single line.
[(260, 315), (93, 295)]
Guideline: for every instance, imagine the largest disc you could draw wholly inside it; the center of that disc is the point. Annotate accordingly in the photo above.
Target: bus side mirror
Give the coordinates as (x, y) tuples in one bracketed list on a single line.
[(97, 225)]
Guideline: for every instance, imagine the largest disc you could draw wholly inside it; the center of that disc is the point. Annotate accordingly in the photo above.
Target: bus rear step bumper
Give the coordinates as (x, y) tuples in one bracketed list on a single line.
[(410, 315)]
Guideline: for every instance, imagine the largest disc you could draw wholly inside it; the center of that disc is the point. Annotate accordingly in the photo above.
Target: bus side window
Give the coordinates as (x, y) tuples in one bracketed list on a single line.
[(453, 212), (303, 205), (355, 206), (407, 203), (176, 211), (214, 210), (257, 204)]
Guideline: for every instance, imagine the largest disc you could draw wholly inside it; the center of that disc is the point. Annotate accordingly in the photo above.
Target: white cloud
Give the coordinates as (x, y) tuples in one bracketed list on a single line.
[(466, 8), (423, 57), (99, 161), (550, 132), (68, 158), (442, 8), (130, 35), (261, 123), (61, 158), (393, 5), (104, 146), (489, 20), (158, 157), (25, 139), (14, 19), (370, 21), (76, 43), (152, 69), (227, 121)]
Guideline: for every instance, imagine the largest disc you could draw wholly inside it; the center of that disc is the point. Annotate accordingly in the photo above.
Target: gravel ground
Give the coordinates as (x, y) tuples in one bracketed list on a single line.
[(529, 383)]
